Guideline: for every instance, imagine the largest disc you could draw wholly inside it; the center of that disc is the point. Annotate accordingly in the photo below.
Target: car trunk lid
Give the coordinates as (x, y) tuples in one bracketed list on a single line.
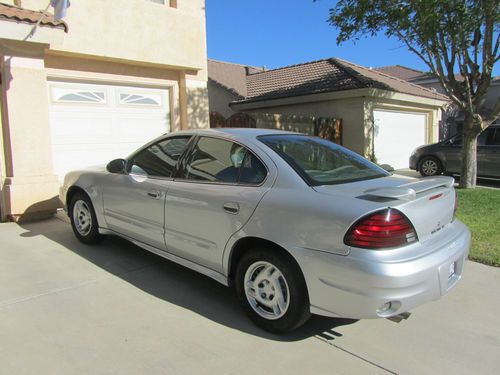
[(428, 203)]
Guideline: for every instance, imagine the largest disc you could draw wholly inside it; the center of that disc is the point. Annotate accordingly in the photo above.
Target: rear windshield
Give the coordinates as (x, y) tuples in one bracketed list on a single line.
[(321, 162)]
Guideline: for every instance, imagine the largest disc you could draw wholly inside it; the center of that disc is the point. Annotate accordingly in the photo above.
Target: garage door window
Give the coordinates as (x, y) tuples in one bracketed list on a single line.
[(160, 159), (63, 95), (140, 99)]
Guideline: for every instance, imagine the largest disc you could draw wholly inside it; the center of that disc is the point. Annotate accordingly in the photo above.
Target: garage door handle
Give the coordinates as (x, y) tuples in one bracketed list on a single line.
[(154, 194), (231, 207)]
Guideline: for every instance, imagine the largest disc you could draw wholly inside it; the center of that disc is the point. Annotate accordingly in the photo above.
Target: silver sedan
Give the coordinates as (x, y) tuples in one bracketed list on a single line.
[(296, 224)]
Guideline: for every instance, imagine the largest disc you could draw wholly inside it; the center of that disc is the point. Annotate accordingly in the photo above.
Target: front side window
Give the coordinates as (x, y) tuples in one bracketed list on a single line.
[(321, 162), (219, 160), (159, 159)]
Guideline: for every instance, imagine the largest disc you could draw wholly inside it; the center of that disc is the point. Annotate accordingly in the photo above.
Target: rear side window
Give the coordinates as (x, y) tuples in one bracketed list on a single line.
[(219, 160), (320, 162), (159, 159), (252, 171)]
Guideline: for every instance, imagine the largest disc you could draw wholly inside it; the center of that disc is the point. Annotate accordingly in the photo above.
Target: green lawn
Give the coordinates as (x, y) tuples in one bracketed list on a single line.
[(479, 209)]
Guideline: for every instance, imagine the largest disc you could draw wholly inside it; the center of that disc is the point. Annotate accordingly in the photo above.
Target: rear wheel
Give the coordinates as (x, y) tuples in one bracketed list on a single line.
[(83, 219), (430, 166), (272, 290)]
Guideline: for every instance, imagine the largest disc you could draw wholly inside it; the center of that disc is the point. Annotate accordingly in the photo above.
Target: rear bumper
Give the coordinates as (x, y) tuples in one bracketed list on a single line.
[(355, 287)]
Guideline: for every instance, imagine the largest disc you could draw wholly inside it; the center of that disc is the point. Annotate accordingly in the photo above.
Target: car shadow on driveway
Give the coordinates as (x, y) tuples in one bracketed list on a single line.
[(173, 283)]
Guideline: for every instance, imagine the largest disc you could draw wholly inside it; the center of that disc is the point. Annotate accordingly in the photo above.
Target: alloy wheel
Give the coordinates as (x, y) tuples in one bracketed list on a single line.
[(266, 290), (429, 167), (82, 217)]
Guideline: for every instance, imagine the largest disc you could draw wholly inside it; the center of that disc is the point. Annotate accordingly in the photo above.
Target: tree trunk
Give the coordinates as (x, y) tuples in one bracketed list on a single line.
[(468, 173)]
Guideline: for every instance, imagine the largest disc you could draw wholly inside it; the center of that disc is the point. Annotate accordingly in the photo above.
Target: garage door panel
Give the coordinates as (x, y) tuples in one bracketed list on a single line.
[(86, 133), (75, 130), (142, 128), (71, 157), (397, 134)]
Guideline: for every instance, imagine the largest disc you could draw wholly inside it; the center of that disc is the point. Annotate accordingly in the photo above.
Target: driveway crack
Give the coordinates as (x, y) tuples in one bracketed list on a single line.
[(329, 342)]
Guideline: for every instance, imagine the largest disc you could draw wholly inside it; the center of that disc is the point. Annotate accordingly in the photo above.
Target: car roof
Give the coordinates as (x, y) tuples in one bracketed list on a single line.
[(234, 132)]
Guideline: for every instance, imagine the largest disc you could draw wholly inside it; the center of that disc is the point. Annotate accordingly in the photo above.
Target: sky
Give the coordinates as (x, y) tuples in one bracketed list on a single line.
[(275, 33)]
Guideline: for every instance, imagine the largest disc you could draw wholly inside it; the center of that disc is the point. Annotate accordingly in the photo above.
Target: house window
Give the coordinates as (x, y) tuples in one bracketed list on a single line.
[(140, 99), (63, 95), (171, 3)]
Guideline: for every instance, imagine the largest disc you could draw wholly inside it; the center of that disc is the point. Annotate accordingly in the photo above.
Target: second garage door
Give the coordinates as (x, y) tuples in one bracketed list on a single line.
[(397, 134), (93, 124)]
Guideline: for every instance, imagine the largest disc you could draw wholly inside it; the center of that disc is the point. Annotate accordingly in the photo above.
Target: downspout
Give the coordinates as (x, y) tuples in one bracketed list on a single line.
[(3, 214)]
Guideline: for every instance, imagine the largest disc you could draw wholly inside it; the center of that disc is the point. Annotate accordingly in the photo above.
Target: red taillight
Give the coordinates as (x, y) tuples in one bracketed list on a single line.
[(382, 230)]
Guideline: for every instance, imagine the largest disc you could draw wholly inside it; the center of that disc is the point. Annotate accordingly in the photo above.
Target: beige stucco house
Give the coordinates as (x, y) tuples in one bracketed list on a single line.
[(377, 115), (110, 76)]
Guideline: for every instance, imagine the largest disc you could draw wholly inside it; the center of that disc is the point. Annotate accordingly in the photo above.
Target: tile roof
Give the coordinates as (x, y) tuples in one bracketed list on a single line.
[(326, 75), (410, 74), (394, 83), (302, 79), (16, 14), (403, 72), (231, 76)]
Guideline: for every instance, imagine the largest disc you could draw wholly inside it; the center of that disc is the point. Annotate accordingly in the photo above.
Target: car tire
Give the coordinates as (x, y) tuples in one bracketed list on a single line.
[(430, 166), (276, 301), (83, 219)]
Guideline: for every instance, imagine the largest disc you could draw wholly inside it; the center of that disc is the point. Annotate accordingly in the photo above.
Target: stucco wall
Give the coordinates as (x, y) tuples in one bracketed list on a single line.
[(120, 41), (219, 100), (136, 30), (197, 104), (29, 184)]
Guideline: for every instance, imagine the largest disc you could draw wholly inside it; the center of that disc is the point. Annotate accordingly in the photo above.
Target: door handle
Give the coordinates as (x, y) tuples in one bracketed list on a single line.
[(231, 207), (154, 194)]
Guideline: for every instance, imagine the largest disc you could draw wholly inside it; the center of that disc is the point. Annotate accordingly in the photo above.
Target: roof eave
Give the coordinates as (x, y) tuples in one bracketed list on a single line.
[(249, 104), (19, 31)]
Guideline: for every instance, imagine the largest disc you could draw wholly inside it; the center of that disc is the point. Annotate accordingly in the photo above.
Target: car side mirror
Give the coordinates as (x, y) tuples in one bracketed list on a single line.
[(116, 166)]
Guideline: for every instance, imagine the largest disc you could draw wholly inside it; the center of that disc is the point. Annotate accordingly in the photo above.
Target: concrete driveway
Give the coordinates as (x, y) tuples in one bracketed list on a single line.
[(67, 308)]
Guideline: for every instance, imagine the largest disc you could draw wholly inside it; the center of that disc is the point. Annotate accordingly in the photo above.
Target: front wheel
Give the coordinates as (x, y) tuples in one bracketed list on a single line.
[(272, 290), (83, 219), (430, 166)]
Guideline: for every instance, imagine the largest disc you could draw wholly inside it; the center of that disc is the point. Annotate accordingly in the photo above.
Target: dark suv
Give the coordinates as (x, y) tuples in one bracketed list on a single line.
[(446, 157)]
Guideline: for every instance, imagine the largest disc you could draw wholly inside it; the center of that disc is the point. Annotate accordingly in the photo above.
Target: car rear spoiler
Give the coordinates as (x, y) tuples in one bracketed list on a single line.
[(410, 190)]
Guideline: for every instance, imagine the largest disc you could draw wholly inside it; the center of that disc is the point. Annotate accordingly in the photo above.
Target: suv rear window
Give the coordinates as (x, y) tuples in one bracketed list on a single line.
[(321, 162)]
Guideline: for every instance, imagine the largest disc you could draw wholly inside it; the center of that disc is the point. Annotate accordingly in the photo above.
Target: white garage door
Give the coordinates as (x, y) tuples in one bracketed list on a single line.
[(397, 134), (94, 124)]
